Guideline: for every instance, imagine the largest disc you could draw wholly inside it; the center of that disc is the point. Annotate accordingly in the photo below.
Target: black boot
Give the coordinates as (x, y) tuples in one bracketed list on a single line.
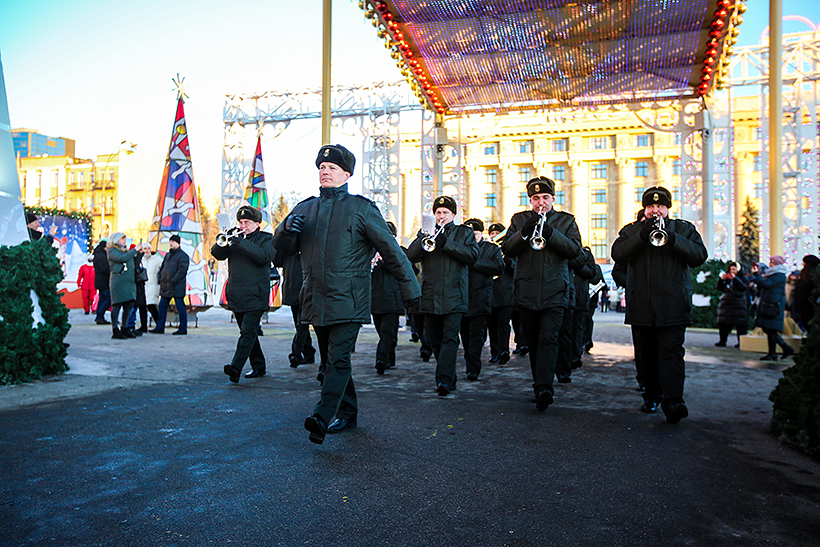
[(128, 332), (118, 334), (787, 349)]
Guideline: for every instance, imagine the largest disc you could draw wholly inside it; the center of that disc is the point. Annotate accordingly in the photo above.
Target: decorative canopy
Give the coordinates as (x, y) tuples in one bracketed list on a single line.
[(464, 56)]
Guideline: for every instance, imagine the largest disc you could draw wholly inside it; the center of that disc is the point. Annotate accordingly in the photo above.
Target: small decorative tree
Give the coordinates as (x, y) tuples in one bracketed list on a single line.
[(796, 415), (704, 283), (748, 239)]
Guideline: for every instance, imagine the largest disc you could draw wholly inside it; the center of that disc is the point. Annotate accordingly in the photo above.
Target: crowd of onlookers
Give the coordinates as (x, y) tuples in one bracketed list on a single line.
[(772, 295)]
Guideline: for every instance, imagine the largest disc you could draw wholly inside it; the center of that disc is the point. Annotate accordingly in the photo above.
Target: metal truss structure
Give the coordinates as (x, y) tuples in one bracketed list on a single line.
[(374, 110), (799, 146)]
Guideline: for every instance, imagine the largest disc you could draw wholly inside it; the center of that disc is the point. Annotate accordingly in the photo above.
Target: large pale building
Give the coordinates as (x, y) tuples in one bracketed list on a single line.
[(597, 159), (118, 190)]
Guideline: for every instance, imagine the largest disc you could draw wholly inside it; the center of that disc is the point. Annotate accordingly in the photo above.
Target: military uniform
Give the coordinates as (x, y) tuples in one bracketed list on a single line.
[(248, 293), (336, 240), (490, 263), (542, 284), (582, 270), (301, 346), (386, 306), (501, 313), (659, 302), (444, 286)]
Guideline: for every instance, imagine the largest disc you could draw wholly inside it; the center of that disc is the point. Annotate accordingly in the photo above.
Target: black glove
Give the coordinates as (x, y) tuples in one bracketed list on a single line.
[(546, 232), (441, 239), (413, 302), (670, 237), (294, 223), (646, 229), (529, 225)]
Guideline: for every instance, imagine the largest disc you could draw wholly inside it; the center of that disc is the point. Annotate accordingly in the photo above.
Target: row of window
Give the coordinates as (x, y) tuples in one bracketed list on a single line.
[(597, 170), (562, 145)]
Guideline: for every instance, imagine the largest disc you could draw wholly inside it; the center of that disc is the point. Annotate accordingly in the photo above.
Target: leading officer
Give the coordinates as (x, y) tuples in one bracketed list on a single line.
[(336, 234), (542, 240)]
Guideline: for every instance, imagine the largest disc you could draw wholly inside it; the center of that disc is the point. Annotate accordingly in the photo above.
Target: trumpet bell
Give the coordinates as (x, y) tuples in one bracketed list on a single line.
[(428, 244), (222, 239), (538, 243), (658, 238)]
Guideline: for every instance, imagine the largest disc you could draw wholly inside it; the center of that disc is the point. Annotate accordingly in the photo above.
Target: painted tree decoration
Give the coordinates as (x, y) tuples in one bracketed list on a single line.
[(256, 194), (177, 210)]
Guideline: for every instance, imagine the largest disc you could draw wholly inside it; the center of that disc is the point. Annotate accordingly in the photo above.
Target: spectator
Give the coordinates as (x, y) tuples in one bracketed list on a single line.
[(802, 305), (771, 282), (733, 305), (85, 282), (123, 284), (102, 274)]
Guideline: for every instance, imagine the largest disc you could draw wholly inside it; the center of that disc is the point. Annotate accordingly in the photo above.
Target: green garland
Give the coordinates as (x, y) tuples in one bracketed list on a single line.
[(28, 352), (706, 316), (77, 215), (796, 412)]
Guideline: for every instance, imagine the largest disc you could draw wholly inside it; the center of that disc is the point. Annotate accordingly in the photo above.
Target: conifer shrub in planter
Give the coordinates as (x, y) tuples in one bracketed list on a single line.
[(796, 414), (29, 348)]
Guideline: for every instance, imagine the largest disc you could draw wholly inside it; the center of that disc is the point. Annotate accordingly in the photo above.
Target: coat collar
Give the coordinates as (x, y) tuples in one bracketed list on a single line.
[(333, 193)]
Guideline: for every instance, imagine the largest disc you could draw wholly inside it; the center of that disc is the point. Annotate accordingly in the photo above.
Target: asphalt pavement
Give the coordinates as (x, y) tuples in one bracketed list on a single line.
[(146, 442)]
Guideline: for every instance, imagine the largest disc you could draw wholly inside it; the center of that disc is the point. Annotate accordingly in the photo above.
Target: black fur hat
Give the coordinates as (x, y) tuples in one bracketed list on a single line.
[(338, 154)]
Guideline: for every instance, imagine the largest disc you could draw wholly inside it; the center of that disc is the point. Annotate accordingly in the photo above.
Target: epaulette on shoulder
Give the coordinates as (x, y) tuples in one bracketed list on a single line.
[(368, 200), (566, 213), (306, 200)]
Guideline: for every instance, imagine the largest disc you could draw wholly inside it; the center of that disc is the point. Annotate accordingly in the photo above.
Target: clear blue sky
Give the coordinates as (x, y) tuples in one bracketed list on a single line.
[(100, 71)]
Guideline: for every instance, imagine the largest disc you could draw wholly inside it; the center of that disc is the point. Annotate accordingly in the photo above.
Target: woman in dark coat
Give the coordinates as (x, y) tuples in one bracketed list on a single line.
[(802, 307), (772, 286), (123, 284), (733, 306), (102, 274)]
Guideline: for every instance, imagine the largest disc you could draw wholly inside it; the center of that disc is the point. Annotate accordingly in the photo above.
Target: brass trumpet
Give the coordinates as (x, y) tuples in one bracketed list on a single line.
[(429, 241), (223, 239), (658, 236), (537, 241)]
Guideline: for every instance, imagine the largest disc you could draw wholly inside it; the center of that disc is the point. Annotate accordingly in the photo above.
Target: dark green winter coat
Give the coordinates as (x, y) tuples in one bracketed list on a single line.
[(584, 272), (542, 278), (445, 276), (122, 280), (490, 263), (504, 284), (385, 296), (658, 282), (249, 262), (337, 241)]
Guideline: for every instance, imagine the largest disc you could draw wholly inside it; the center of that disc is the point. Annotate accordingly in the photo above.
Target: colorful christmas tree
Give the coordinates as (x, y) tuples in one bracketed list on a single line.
[(256, 194), (177, 210)]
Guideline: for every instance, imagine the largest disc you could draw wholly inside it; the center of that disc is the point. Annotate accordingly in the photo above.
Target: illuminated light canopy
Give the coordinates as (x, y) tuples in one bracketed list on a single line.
[(501, 55)]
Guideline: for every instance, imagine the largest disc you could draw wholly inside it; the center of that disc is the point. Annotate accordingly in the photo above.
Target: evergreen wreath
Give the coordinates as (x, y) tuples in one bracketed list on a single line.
[(27, 351)]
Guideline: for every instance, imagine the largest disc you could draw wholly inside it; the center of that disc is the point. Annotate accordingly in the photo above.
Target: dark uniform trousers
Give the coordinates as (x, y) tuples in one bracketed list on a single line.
[(473, 335), (301, 347), (565, 343), (520, 337), (571, 341), (659, 359), (443, 331), (387, 325), (541, 329), (423, 333), (248, 344), (338, 394), (499, 327)]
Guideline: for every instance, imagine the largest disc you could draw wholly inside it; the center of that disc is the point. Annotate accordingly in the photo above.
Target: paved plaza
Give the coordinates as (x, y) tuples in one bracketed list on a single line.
[(146, 442)]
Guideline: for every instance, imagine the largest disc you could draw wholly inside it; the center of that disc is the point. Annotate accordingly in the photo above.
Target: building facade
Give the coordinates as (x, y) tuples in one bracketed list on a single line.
[(28, 143), (601, 162), (118, 190)]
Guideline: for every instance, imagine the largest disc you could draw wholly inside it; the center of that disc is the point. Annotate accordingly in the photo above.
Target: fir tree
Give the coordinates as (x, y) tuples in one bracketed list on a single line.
[(748, 240)]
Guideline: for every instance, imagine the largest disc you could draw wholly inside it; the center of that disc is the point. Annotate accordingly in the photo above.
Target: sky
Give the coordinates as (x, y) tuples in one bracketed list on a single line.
[(100, 72)]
